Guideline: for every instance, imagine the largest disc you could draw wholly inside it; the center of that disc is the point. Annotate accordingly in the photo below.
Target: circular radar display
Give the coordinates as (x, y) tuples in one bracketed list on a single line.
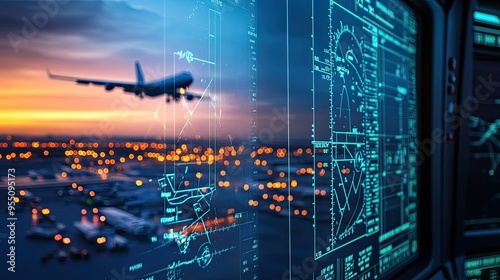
[(348, 136), (348, 82)]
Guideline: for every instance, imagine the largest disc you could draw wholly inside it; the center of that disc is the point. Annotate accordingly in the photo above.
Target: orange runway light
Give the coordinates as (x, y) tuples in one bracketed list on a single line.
[(101, 240), (58, 237)]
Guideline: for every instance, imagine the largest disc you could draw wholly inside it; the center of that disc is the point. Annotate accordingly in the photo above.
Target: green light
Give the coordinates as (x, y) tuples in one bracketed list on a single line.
[(491, 172), (476, 267), (486, 18)]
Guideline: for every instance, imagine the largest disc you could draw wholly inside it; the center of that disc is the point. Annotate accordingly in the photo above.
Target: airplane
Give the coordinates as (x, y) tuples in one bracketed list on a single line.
[(173, 86), (89, 231), (125, 221)]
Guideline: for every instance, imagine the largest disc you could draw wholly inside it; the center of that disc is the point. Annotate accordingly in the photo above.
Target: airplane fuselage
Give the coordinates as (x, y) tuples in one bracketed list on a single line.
[(169, 85), (173, 87)]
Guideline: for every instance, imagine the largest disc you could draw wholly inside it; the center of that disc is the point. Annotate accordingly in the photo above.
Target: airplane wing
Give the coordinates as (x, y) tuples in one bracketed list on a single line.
[(108, 85)]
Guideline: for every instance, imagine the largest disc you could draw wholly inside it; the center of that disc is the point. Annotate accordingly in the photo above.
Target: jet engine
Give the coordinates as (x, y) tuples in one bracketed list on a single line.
[(109, 86)]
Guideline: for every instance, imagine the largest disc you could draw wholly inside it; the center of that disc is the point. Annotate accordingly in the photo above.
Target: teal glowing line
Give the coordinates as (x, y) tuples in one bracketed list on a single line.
[(314, 128), (486, 30), (288, 136), (486, 18), (202, 60), (180, 221), (492, 130)]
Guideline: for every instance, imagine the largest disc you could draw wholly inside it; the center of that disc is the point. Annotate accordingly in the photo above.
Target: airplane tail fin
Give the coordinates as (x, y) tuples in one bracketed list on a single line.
[(138, 71), (49, 74)]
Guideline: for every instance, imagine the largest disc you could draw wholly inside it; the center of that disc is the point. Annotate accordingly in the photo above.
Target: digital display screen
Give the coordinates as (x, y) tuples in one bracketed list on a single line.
[(364, 136), (482, 267), (486, 33), (208, 139), (483, 192)]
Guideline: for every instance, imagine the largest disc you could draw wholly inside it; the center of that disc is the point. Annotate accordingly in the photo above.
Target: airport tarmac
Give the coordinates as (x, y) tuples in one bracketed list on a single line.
[(236, 193)]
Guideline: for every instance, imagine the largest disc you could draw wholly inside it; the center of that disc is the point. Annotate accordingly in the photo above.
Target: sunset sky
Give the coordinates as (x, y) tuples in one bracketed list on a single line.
[(101, 40)]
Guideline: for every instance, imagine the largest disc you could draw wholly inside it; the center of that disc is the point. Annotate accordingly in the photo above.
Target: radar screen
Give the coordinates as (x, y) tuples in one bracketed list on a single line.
[(338, 149), (364, 137)]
